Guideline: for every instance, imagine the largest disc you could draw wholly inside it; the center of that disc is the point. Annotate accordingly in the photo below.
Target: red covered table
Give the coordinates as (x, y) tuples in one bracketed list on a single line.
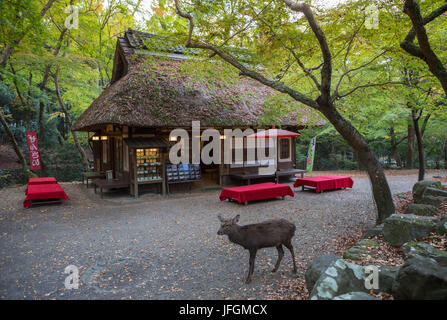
[(44, 192), (325, 183), (46, 180), (252, 192)]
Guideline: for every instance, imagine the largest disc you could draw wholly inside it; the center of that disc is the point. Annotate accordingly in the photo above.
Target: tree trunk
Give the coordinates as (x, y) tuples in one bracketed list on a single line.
[(424, 50), (445, 158), (14, 144), (68, 120), (394, 150), (420, 143), (380, 188), (439, 157), (410, 152), (43, 171)]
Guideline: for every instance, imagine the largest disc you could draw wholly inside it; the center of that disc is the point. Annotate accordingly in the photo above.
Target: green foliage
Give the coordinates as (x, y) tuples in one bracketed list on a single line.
[(266, 35)]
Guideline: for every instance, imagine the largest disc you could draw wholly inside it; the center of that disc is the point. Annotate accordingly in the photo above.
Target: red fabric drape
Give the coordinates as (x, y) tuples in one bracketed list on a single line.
[(260, 191), (325, 182), (44, 191), (46, 180)]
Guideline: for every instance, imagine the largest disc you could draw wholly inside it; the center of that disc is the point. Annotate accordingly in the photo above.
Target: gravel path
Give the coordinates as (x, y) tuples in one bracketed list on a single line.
[(156, 248)]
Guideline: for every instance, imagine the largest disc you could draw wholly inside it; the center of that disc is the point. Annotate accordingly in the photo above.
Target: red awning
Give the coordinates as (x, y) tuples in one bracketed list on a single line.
[(274, 133)]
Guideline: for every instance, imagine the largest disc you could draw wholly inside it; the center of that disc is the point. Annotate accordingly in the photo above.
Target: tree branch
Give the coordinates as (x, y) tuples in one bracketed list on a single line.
[(326, 71), (370, 85), (335, 94), (424, 50), (279, 86)]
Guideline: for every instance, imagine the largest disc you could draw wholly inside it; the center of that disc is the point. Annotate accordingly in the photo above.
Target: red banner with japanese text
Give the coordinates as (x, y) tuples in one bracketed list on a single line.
[(33, 149)]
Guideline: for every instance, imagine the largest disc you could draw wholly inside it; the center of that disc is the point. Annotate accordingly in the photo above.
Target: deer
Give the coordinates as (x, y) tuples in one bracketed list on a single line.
[(252, 237)]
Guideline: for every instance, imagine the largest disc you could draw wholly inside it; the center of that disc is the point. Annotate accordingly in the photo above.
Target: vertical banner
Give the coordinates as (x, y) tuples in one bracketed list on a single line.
[(311, 155), (33, 149)]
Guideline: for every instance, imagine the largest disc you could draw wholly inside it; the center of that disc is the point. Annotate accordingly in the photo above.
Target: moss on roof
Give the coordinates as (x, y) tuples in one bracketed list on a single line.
[(166, 92)]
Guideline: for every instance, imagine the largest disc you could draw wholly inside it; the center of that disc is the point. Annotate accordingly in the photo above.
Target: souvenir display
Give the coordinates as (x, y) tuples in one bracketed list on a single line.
[(149, 166), (183, 172)]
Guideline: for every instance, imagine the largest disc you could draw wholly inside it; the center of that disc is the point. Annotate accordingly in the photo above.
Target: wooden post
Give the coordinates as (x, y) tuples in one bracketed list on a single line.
[(163, 169), (134, 172)]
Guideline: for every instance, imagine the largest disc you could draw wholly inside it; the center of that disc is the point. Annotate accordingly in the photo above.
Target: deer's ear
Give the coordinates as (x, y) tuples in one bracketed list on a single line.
[(220, 218), (236, 218)]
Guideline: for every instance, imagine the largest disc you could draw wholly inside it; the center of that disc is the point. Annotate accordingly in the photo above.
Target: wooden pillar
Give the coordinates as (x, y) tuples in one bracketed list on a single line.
[(133, 169), (163, 169)]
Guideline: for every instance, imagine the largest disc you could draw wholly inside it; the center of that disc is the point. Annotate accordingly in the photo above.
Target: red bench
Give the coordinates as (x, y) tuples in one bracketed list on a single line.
[(45, 180), (252, 192), (325, 183), (50, 191)]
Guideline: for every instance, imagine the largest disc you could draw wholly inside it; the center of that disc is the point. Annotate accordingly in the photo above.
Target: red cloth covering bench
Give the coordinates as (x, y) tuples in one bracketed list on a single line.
[(252, 192), (44, 192), (45, 180), (325, 182)]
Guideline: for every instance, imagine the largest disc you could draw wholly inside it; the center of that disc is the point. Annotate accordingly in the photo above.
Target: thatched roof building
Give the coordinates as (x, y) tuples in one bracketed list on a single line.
[(156, 83)]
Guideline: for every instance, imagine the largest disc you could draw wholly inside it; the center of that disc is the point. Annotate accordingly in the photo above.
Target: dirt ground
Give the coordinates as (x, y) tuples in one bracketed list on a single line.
[(8, 158), (167, 248)]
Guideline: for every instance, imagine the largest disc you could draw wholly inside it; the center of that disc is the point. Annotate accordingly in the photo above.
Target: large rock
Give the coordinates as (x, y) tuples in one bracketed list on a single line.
[(411, 249), (341, 277), (432, 200), (441, 228), (387, 274), (401, 228), (317, 267), (421, 278), (419, 188), (361, 250), (374, 231), (421, 209), (356, 253), (435, 192), (355, 296)]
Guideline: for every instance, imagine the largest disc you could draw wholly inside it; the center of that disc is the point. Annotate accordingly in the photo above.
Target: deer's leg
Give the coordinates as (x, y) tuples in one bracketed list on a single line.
[(252, 265), (290, 247), (280, 255)]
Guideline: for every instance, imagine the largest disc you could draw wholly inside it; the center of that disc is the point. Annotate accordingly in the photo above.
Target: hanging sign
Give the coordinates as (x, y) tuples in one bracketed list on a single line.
[(33, 149)]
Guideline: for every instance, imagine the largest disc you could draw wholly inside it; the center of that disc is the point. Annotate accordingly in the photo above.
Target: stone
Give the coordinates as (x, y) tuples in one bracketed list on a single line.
[(421, 209), (317, 267), (435, 192), (432, 200), (401, 228), (441, 228), (367, 243), (357, 295), (419, 188), (339, 278), (421, 278), (375, 231), (356, 253), (411, 249), (387, 274)]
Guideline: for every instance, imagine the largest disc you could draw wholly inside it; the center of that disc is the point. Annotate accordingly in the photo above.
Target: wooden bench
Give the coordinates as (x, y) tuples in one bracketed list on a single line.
[(92, 175), (111, 184), (289, 173), (280, 173), (250, 176)]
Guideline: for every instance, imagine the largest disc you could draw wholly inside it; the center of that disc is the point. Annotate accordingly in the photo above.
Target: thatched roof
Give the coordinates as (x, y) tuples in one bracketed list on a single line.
[(168, 92)]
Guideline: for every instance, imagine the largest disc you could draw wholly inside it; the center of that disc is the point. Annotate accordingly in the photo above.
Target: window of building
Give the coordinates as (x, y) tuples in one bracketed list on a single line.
[(284, 148)]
